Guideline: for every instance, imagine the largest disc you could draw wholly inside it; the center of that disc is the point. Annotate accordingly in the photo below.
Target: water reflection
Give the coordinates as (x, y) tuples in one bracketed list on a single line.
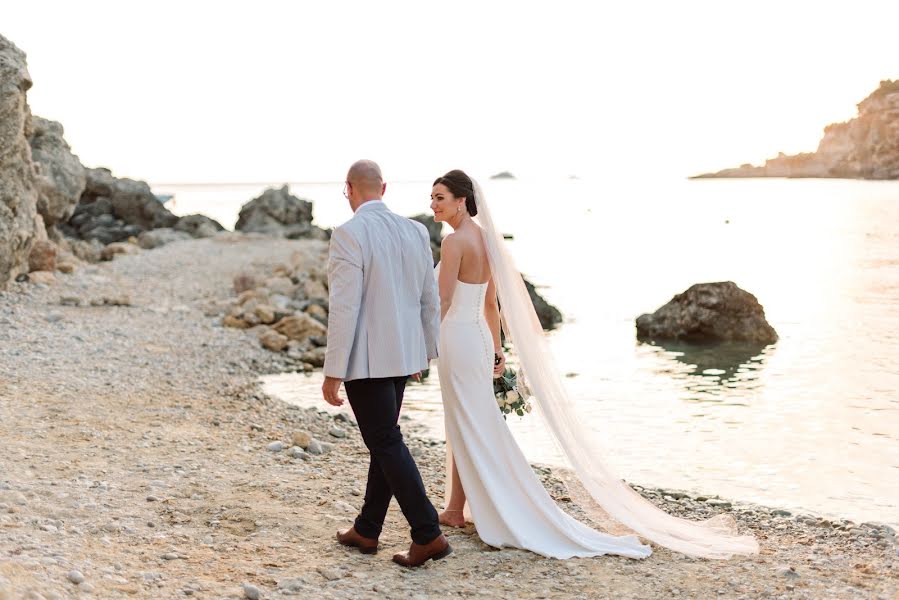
[(712, 372)]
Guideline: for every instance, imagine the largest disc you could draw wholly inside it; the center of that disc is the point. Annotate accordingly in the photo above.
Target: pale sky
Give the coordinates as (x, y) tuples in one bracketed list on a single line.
[(223, 91)]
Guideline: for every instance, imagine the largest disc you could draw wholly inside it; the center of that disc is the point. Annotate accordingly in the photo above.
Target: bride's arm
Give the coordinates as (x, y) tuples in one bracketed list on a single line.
[(491, 313), (450, 262)]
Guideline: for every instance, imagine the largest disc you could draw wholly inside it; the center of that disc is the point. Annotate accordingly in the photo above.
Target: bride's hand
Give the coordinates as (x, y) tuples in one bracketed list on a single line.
[(499, 364)]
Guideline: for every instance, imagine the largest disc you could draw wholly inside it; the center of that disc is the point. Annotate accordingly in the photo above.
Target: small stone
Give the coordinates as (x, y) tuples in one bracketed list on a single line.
[(329, 574), (45, 277), (326, 447), (54, 317), (70, 301), (315, 447), (344, 506), (170, 556), (781, 513), (251, 591), (75, 576), (296, 452), (275, 446), (85, 587), (301, 439), (788, 572), (337, 432)]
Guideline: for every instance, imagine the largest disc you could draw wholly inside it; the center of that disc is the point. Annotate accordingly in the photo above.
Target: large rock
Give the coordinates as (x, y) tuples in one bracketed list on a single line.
[(112, 210), (131, 201), (866, 147), (709, 312), (549, 315), (198, 226), (18, 186), (299, 327), (60, 175), (277, 212)]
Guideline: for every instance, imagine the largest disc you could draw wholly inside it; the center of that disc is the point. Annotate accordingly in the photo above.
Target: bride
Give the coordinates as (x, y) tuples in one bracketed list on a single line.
[(489, 480)]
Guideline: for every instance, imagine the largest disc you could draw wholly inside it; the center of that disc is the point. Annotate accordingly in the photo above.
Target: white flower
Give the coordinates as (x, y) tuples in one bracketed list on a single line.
[(513, 396), (500, 400)]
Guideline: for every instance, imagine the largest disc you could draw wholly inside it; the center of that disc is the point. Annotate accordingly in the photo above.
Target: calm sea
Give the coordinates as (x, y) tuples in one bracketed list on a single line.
[(809, 423)]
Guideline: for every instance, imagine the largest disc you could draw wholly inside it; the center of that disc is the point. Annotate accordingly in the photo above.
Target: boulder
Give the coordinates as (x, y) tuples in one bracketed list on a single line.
[(708, 312), (198, 226), (277, 212), (299, 327), (60, 176), (272, 340), (112, 209), (118, 248), (42, 256), (18, 184), (549, 315)]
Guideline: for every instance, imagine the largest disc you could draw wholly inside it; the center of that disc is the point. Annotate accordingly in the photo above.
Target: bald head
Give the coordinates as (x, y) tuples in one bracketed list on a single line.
[(365, 176)]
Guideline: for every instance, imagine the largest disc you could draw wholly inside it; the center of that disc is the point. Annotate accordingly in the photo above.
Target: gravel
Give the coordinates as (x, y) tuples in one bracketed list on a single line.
[(122, 414)]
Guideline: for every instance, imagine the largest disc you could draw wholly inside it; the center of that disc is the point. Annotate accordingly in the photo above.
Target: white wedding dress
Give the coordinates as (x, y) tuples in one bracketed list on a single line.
[(507, 503)]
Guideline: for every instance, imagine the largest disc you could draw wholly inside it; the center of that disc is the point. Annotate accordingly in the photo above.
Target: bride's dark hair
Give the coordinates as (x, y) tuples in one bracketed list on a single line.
[(459, 184)]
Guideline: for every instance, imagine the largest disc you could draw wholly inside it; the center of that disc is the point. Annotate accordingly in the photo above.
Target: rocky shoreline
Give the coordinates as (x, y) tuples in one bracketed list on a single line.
[(866, 147), (142, 460)]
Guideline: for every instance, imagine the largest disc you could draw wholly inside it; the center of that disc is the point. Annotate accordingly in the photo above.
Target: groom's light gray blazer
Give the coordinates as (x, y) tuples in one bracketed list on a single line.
[(384, 310)]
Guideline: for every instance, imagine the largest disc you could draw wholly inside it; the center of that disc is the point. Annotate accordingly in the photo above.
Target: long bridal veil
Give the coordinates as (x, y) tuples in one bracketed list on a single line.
[(606, 495)]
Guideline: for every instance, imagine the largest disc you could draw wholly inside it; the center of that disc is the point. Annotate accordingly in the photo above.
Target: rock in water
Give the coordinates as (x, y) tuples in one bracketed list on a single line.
[(18, 185), (277, 212), (709, 312), (549, 315)]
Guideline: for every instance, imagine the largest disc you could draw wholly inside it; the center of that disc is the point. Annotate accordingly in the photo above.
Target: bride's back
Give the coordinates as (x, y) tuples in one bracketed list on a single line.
[(474, 267)]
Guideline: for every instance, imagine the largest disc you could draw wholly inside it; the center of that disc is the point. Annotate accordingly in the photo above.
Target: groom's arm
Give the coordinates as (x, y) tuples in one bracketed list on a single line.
[(344, 301), (430, 304)]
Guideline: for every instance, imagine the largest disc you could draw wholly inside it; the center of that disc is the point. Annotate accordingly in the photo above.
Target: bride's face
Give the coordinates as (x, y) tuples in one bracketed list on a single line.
[(444, 204)]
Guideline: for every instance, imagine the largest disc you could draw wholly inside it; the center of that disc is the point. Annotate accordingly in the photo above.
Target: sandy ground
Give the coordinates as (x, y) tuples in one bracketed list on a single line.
[(135, 463)]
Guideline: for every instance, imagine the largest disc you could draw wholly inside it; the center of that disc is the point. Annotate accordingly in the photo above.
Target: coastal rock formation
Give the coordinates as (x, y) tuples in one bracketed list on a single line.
[(866, 147), (18, 185), (277, 212), (709, 312), (503, 175), (60, 175), (113, 209), (549, 315)]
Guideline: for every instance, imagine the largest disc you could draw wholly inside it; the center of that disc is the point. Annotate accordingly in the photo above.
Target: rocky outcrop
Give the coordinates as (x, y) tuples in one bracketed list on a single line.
[(708, 312), (866, 147), (277, 212), (60, 175), (549, 315), (18, 186), (113, 209)]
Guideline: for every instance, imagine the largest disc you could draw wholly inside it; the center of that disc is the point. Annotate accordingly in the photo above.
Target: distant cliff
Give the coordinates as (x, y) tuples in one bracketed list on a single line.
[(866, 147)]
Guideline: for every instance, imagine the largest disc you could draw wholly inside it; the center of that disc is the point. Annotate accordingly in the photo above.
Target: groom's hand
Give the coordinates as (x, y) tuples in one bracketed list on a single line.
[(330, 389)]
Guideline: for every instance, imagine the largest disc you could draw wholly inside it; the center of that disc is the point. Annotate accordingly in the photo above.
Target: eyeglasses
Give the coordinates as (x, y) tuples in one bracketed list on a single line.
[(346, 190)]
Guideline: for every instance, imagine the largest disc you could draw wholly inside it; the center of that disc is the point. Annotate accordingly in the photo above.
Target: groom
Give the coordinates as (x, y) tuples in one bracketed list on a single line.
[(383, 322)]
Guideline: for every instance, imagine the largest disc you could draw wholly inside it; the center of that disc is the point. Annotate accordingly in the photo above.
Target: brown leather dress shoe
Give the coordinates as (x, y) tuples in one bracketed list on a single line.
[(419, 554), (349, 537)]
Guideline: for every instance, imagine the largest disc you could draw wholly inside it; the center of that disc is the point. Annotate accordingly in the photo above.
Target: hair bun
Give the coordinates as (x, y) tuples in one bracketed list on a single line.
[(460, 185)]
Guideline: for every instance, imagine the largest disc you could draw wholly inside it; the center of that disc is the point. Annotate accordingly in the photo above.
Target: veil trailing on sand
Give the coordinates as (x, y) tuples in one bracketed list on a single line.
[(608, 500)]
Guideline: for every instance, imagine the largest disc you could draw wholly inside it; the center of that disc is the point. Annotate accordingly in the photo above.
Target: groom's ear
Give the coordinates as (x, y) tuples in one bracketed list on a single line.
[(383, 188)]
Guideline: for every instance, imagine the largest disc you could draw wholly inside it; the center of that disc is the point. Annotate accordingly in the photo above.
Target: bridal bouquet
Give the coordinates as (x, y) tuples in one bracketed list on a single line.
[(511, 393)]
